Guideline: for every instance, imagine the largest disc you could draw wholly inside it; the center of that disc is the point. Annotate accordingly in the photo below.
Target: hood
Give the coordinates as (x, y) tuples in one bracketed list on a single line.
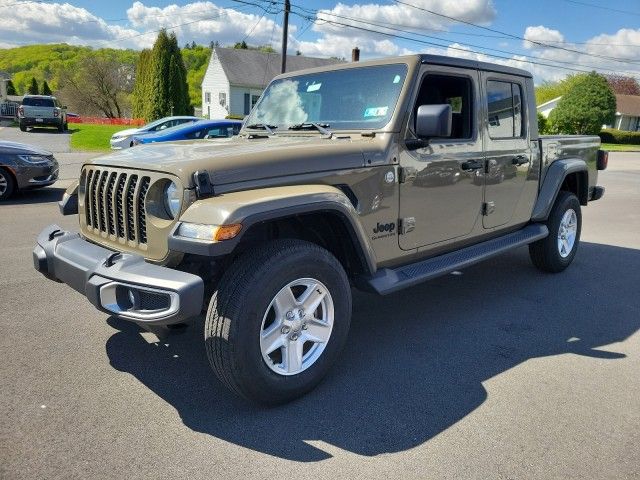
[(127, 133), (14, 148), (240, 159)]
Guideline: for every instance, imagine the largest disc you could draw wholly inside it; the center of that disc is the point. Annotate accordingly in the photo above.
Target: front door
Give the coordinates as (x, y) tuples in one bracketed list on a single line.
[(507, 148), (440, 195)]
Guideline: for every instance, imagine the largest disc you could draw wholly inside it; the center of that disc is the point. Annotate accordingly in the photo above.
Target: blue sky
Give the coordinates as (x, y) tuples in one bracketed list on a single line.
[(597, 36)]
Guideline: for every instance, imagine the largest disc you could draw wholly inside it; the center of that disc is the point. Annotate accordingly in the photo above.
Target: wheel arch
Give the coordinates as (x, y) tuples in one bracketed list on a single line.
[(570, 174), (320, 214)]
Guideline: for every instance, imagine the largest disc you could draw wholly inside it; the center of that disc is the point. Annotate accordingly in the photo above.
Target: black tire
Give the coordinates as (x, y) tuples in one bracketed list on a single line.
[(545, 254), (23, 128), (7, 185), (236, 311), (66, 126), (61, 128)]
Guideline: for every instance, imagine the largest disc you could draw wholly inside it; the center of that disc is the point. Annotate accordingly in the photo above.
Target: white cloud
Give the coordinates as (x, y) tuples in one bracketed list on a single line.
[(541, 34), (35, 22)]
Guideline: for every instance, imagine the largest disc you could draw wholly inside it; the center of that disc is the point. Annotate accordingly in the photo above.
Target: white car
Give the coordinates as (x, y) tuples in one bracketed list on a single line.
[(124, 138)]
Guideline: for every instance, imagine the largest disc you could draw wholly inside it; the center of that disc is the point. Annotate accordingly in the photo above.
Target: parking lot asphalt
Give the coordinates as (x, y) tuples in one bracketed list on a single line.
[(500, 372)]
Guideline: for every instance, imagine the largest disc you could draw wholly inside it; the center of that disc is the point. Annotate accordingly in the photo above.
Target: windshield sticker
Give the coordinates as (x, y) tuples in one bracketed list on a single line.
[(376, 112), (396, 79), (314, 87)]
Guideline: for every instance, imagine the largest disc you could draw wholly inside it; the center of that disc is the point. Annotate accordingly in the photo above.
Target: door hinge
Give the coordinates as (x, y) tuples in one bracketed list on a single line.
[(407, 224), (488, 208), (406, 173)]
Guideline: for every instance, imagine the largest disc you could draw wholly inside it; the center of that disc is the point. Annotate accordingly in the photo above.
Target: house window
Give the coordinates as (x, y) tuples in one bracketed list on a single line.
[(254, 100), (247, 103), (504, 102), (222, 98), (207, 97)]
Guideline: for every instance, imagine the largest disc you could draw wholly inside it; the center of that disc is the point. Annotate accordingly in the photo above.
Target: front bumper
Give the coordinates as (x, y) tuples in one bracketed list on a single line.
[(37, 175), (123, 285)]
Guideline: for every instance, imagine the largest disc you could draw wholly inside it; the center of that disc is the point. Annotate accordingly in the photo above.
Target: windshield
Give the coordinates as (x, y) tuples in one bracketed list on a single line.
[(354, 98)]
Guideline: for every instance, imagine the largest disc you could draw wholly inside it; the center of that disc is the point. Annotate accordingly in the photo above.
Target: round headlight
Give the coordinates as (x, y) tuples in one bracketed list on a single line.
[(172, 199)]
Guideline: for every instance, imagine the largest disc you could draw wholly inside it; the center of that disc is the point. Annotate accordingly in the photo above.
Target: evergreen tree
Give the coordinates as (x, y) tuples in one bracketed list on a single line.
[(140, 96), (168, 91), (45, 88), (11, 90), (33, 87)]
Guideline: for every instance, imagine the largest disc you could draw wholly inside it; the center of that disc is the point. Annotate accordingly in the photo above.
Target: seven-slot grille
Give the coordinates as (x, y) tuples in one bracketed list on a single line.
[(115, 203)]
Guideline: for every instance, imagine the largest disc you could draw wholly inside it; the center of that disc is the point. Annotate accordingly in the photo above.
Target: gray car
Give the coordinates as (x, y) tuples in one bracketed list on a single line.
[(24, 167)]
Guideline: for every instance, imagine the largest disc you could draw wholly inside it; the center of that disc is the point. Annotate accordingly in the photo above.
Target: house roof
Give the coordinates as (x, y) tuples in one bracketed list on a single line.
[(256, 69), (549, 102), (628, 104)]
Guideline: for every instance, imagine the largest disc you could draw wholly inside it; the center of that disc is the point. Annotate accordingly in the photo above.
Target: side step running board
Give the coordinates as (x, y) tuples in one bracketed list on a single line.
[(388, 280)]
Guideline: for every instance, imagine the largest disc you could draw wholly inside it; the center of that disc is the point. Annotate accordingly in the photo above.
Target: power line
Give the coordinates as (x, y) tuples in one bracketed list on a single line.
[(512, 35), (465, 50), (585, 4), (391, 26)]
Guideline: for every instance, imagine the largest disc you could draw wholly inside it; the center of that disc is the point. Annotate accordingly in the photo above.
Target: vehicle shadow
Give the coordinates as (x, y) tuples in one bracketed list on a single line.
[(51, 130), (415, 361), (38, 195)]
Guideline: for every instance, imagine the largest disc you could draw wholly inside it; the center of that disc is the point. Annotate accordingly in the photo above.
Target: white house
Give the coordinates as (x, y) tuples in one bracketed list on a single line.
[(546, 107), (235, 78)]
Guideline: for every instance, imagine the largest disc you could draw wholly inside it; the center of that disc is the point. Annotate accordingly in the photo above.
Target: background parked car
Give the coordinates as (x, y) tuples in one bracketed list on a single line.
[(42, 111), (123, 138), (193, 131), (23, 167)]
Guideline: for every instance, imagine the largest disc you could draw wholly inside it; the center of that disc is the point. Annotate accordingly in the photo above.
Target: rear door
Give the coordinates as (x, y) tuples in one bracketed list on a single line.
[(508, 151)]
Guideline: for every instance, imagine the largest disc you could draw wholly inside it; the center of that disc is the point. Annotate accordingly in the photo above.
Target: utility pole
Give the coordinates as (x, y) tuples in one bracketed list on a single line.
[(285, 33)]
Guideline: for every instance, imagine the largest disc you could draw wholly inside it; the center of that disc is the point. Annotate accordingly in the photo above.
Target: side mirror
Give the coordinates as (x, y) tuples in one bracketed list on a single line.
[(433, 121)]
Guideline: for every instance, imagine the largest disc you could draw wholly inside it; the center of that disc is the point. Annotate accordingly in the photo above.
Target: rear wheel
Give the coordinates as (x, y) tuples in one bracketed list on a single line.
[(23, 127), (7, 184), (278, 321), (556, 252), (61, 127)]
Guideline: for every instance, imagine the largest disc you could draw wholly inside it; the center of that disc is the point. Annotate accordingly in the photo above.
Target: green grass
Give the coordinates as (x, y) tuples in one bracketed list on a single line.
[(85, 136), (616, 147)]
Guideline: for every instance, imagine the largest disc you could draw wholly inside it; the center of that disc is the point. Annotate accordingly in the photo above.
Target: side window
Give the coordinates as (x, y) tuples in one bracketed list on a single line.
[(457, 92), (195, 135), (236, 129), (504, 106), (218, 132), (207, 97)]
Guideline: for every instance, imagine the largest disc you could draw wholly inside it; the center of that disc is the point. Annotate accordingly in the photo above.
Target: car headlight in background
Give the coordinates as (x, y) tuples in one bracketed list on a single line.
[(34, 159), (172, 199)]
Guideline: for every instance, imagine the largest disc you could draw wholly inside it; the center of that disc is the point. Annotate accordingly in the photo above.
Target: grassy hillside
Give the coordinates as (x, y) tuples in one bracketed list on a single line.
[(45, 62)]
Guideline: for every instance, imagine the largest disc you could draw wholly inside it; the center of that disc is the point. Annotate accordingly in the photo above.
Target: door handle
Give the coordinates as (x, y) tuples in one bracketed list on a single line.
[(520, 160), (472, 165)]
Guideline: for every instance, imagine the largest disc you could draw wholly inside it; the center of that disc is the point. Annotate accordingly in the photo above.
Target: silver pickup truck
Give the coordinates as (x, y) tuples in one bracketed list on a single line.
[(42, 111)]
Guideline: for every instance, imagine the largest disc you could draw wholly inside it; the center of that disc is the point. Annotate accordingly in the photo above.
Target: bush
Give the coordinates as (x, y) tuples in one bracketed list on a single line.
[(611, 135), (542, 124), (234, 117), (585, 108)]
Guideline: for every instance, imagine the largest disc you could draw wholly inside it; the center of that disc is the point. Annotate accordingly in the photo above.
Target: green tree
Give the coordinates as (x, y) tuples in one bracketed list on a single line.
[(141, 89), (241, 45), (169, 92), (588, 105), (542, 124), (33, 87), (45, 89), (550, 90), (11, 90)]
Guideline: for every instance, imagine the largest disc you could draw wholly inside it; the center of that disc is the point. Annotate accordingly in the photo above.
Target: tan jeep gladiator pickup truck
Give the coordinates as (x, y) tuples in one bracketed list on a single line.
[(377, 175)]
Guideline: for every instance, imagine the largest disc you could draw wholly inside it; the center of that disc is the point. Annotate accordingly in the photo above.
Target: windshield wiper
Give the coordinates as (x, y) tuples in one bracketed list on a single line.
[(263, 126), (321, 127)]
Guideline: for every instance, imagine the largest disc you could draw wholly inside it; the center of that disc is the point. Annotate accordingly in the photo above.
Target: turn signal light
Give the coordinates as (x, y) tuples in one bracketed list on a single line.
[(227, 232), (603, 159)]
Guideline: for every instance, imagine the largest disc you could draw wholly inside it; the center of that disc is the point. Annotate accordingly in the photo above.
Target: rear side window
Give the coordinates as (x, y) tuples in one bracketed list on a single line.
[(196, 134), (37, 102), (504, 102)]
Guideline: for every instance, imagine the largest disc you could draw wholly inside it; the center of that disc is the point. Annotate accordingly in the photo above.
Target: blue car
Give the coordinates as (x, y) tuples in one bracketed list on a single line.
[(193, 131)]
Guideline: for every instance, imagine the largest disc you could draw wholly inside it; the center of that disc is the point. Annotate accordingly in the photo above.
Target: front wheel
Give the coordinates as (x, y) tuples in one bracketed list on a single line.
[(23, 127), (556, 252), (278, 321), (7, 184)]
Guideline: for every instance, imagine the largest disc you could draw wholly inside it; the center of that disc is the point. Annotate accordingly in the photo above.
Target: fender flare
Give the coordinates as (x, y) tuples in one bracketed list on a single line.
[(253, 207), (556, 173)]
